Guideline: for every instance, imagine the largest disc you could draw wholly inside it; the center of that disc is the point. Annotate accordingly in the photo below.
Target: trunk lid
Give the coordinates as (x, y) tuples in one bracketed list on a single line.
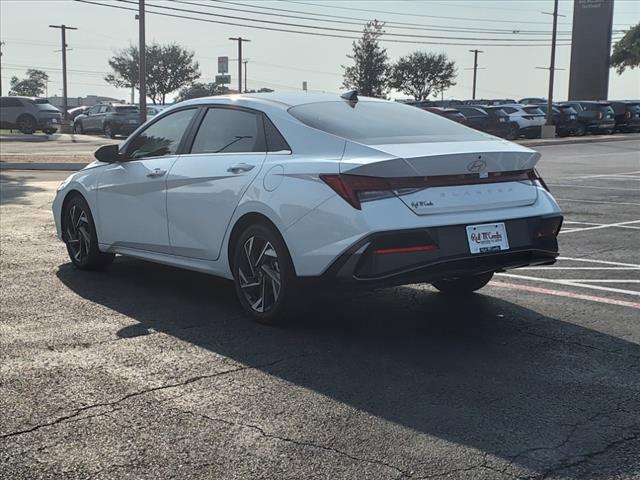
[(445, 159)]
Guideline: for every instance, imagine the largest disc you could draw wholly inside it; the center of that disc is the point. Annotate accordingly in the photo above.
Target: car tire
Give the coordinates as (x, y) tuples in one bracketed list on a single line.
[(108, 131), (79, 234), (581, 130), (512, 133), (26, 124), (463, 285), (50, 131), (77, 128), (265, 280)]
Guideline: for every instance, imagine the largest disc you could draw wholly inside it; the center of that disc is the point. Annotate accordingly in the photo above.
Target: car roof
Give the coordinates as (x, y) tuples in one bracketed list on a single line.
[(283, 100)]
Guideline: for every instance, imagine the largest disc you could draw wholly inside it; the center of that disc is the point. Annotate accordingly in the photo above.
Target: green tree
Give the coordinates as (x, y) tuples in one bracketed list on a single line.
[(197, 90), (169, 68), (626, 53), (33, 86), (369, 74), (421, 74)]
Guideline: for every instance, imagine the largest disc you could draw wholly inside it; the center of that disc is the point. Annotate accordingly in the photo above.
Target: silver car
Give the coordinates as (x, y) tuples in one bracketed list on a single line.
[(29, 114)]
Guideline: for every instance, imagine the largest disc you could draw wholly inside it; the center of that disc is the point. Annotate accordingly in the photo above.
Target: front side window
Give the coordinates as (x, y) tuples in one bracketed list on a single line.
[(377, 123), (162, 137), (226, 130), (94, 110)]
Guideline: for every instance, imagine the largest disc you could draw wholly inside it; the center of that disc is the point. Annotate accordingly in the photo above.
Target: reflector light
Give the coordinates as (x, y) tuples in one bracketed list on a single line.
[(420, 248)]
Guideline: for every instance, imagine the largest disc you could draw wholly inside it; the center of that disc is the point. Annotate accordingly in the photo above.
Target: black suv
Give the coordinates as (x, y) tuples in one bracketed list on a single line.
[(492, 120), (593, 117), (627, 115), (109, 119), (564, 117)]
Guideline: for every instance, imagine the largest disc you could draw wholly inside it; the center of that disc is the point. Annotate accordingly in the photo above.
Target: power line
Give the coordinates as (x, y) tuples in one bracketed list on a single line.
[(359, 21), (317, 34), (332, 29)]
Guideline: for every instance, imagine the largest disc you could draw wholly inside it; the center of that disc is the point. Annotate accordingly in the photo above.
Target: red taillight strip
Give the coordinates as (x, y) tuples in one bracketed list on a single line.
[(421, 248), (348, 186)]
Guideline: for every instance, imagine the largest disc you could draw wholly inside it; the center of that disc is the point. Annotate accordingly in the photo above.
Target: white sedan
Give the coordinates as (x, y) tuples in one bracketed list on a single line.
[(273, 189)]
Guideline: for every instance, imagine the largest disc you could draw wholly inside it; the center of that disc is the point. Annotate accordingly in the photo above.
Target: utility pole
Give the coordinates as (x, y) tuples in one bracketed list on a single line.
[(239, 40), (1, 43), (142, 50), (475, 70), (245, 75), (549, 130), (63, 29)]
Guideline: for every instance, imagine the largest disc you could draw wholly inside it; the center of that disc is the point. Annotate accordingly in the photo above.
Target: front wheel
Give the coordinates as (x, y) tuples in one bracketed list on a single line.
[(264, 277), (463, 285), (79, 234), (513, 132), (26, 124), (50, 131), (581, 130)]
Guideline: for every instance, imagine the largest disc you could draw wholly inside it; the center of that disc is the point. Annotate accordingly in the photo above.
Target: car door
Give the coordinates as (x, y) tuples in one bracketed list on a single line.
[(206, 184), (131, 195), (89, 122)]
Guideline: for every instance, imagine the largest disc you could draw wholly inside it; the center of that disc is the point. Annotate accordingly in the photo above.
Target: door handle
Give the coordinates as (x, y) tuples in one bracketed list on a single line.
[(240, 167), (156, 173)]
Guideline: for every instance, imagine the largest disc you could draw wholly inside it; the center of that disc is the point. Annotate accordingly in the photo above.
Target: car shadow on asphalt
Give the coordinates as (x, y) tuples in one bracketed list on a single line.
[(16, 189), (482, 372)]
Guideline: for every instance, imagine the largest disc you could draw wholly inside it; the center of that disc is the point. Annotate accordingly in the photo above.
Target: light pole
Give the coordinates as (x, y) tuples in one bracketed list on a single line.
[(142, 50), (245, 75), (475, 70), (239, 40), (63, 30)]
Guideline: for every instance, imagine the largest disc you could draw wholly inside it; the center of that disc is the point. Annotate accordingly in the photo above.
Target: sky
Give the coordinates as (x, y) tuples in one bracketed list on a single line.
[(282, 61)]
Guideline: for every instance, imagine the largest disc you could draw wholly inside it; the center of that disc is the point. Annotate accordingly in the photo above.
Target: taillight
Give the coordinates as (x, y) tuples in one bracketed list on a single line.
[(355, 189), (600, 115)]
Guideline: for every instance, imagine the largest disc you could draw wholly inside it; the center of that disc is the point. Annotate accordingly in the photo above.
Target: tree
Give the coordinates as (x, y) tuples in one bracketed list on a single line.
[(421, 74), (370, 72), (197, 90), (169, 68), (33, 86), (626, 53)]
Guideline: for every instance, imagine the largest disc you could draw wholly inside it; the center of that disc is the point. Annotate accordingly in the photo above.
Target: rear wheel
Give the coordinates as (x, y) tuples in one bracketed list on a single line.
[(463, 285), (264, 277), (49, 131), (512, 132), (26, 124), (79, 234), (108, 131)]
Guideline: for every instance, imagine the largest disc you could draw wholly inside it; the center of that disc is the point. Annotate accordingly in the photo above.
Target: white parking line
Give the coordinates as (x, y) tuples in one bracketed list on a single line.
[(593, 187), (579, 268), (605, 175), (603, 202), (604, 262), (591, 280), (619, 224), (571, 283)]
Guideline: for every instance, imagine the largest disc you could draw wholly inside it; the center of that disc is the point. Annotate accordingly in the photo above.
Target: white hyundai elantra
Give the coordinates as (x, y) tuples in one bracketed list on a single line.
[(272, 189)]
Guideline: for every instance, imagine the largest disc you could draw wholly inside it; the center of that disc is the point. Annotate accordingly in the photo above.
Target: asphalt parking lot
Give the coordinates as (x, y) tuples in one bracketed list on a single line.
[(148, 372)]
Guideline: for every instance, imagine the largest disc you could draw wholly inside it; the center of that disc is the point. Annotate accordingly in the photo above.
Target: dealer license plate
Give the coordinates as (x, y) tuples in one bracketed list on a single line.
[(489, 237)]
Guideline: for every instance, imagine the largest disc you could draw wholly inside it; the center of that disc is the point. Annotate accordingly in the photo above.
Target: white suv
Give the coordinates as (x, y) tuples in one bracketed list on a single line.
[(29, 114), (528, 117)]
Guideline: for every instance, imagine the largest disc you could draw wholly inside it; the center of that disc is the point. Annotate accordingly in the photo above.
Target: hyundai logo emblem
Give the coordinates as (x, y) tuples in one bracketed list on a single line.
[(477, 166)]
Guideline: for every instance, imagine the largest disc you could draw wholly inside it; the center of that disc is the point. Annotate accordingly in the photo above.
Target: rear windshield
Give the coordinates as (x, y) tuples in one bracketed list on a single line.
[(375, 123), (128, 109), (44, 105), (533, 110)]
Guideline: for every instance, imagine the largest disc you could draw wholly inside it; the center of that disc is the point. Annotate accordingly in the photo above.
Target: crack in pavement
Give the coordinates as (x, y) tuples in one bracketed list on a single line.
[(142, 392), (257, 428)]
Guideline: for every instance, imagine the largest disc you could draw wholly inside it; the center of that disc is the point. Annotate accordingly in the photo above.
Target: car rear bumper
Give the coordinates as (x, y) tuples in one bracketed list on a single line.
[(532, 241)]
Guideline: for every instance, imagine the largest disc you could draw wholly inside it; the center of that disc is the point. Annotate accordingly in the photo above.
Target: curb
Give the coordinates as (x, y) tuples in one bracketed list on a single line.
[(69, 167)]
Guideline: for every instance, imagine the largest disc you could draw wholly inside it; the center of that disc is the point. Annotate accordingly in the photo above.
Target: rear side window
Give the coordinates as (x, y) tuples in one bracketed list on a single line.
[(227, 130), (10, 102), (533, 110), (510, 109), (162, 137), (275, 140), (373, 123)]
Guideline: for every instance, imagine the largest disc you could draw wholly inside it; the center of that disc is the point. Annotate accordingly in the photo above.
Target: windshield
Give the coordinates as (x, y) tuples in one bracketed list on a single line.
[(375, 123)]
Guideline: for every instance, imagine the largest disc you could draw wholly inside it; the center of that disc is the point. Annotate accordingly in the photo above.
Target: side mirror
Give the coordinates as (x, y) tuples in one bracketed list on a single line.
[(108, 154)]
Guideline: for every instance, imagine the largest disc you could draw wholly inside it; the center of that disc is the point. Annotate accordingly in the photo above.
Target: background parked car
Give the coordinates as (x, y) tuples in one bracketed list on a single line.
[(593, 117), (532, 101), (528, 117), (491, 120), (153, 110), (450, 113), (626, 115), (565, 118), (74, 112), (29, 114), (111, 120)]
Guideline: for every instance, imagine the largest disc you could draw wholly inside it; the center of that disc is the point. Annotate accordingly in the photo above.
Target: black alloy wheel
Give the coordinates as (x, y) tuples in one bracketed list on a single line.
[(108, 131), (264, 276), (26, 124), (79, 234)]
